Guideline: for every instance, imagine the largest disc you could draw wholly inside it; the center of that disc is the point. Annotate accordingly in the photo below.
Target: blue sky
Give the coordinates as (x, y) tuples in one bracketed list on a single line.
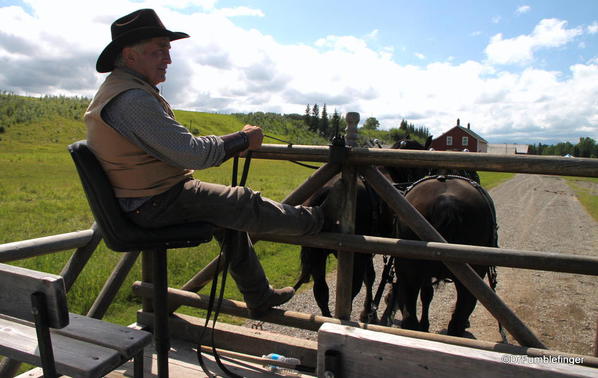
[(518, 71)]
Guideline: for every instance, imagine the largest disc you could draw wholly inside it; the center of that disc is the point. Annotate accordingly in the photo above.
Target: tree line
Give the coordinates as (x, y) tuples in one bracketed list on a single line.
[(16, 109), (322, 124), (586, 147), (315, 126)]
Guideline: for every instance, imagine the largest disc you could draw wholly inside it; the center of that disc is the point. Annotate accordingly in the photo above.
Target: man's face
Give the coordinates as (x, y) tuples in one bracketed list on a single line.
[(150, 60)]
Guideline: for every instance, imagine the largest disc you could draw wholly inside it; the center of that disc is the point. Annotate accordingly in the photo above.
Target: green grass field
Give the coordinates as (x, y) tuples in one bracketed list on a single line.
[(583, 190)]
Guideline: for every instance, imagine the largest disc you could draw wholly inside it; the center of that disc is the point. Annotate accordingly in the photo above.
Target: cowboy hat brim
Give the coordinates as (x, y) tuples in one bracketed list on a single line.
[(106, 59)]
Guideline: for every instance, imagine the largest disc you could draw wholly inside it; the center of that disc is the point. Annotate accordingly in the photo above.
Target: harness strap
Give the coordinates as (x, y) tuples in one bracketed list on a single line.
[(387, 277), (225, 241)]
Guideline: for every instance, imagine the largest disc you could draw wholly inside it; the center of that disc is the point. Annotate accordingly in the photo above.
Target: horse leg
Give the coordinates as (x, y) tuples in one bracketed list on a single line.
[(313, 262), (426, 295), (392, 304), (321, 291), (368, 315), (407, 299), (466, 303)]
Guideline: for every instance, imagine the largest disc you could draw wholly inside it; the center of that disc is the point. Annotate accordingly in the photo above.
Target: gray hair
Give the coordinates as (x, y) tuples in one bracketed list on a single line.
[(139, 47)]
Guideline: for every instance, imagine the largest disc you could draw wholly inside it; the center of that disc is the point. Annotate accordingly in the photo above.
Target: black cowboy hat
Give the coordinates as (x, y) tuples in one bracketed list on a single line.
[(134, 27)]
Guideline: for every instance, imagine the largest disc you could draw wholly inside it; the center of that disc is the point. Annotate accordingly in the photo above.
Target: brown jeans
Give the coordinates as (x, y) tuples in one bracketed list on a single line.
[(236, 208)]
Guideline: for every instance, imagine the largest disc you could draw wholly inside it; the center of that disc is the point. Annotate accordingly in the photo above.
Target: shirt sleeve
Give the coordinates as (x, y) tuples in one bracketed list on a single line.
[(139, 117)]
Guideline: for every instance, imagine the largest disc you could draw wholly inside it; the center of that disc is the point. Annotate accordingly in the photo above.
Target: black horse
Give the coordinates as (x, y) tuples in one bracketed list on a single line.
[(372, 217), (463, 212)]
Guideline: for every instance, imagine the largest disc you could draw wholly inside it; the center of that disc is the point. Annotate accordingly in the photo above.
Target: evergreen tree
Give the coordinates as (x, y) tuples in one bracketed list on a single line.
[(586, 147), (324, 123), (403, 126), (307, 118), (335, 124), (315, 118)]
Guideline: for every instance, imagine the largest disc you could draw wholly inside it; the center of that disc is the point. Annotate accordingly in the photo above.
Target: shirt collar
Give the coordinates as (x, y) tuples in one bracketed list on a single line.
[(138, 75)]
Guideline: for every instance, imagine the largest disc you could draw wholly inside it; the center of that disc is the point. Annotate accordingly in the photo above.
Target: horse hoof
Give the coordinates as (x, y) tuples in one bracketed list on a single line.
[(368, 318)]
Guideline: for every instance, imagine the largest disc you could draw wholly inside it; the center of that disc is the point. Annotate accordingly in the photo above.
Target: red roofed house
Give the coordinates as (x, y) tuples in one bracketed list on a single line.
[(460, 138)]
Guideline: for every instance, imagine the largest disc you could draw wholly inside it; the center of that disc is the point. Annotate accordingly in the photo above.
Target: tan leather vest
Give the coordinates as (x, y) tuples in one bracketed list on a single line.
[(132, 172)]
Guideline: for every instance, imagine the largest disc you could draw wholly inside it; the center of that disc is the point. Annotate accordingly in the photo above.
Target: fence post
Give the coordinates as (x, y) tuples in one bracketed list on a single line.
[(344, 273)]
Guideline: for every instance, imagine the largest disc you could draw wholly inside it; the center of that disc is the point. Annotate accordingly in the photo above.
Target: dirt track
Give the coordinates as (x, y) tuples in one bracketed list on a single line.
[(537, 213), (540, 213)]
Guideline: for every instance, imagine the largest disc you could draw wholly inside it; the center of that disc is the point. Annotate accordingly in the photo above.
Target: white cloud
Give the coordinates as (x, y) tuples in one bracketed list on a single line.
[(240, 11), (225, 68), (593, 29), (548, 33), (420, 56), (373, 34), (523, 9)]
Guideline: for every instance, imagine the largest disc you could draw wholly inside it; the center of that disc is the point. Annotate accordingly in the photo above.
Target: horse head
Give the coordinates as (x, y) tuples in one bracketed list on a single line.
[(403, 176)]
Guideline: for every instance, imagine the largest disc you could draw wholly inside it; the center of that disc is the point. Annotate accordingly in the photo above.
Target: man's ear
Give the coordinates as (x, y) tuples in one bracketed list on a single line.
[(129, 55)]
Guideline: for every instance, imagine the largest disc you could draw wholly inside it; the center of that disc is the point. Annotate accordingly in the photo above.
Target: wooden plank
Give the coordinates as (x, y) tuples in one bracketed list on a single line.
[(238, 339), (514, 258), (549, 165), (73, 357), (374, 354), (19, 283), (41, 246), (127, 341)]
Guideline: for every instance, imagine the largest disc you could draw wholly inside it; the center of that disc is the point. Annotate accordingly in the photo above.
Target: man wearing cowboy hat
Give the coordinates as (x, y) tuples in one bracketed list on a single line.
[(149, 157)]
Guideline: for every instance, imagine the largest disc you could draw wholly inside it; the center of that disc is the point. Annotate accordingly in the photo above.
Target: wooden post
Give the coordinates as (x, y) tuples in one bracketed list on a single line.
[(161, 333), (410, 216), (147, 263), (9, 367), (198, 281), (112, 285), (344, 272), (314, 182), (79, 259)]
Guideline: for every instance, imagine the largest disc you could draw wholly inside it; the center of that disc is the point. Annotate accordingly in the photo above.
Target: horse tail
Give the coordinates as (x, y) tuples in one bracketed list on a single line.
[(447, 218), (306, 268), (304, 278)]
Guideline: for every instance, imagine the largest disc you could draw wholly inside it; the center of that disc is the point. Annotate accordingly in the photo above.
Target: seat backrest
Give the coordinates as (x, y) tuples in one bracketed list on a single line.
[(17, 284), (120, 233)]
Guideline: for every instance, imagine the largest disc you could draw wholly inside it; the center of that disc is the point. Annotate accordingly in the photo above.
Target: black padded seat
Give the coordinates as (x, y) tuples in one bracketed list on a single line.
[(122, 235)]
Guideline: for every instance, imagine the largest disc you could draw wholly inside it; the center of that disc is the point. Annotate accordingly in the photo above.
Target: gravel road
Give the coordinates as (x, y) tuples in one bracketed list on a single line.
[(535, 213)]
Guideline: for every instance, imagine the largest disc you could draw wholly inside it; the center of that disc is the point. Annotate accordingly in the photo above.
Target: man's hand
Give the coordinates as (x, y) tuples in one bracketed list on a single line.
[(255, 136)]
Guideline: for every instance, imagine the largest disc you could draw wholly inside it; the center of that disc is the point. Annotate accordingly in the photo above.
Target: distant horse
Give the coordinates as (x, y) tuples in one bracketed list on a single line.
[(463, 213), (372, 217)]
